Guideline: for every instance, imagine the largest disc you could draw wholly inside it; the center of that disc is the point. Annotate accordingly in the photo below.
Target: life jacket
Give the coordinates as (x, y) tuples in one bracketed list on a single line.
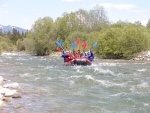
[(79, 54), (68, 57), (91, 56)]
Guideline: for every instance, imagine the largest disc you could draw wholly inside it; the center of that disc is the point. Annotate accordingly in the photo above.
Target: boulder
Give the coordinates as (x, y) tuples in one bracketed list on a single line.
[(1, 96), (10, 93), (2, 104), (11, 85), (1, 80)]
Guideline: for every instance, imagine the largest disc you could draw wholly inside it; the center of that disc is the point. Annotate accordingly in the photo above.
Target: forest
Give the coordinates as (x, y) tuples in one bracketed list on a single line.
[(120, 40)]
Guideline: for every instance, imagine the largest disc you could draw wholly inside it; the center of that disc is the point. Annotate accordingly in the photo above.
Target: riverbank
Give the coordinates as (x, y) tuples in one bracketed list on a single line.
[(8, 91), (145, 56)]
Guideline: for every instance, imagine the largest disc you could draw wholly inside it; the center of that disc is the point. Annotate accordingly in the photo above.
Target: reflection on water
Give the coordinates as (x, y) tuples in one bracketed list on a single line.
[(47, 86)]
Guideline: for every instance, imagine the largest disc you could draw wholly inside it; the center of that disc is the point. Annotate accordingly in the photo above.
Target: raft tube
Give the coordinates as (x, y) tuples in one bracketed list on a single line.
[(78, 61)]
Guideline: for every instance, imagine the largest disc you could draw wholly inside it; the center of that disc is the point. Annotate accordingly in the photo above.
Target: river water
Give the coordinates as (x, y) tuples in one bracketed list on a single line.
[(46, 86)]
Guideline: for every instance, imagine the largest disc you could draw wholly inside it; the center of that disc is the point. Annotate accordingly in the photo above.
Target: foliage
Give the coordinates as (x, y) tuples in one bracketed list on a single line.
[(5, 44), (73, 37), (39, 40), (148, 24), (122, 43)]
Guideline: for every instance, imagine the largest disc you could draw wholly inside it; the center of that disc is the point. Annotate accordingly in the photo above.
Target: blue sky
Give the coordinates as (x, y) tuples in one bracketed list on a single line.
[(23, 13)]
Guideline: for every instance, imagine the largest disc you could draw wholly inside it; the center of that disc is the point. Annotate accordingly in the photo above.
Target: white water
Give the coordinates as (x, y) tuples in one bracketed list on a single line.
[(109, 86)]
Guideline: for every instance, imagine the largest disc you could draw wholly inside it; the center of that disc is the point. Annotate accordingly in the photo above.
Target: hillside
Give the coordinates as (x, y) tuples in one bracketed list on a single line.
[(6, 29)]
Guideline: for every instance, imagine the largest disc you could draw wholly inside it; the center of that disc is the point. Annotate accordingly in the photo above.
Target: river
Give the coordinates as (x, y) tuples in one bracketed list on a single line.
[(46, 86)]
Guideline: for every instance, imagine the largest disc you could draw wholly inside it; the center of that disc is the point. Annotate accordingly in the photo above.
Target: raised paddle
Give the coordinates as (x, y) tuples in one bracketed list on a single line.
[(94, 44), (59, 49), (73, 46), (84, 45), (78, 42), (60, 45)]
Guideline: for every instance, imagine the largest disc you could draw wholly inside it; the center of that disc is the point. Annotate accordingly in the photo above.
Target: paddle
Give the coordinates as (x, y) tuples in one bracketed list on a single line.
[(60, 45), (78, 42), (84, 46), (94, 44), (73, 46), (59, 49)]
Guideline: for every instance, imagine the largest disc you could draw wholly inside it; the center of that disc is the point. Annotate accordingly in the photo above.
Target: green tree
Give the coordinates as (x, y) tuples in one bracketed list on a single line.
[(73, 37), (148, 24), (41, 37), (98, 18), (122, 43)]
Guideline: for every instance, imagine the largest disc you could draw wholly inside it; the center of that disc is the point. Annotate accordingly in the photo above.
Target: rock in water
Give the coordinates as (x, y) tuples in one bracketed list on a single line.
[(1, 80), (2, 104)]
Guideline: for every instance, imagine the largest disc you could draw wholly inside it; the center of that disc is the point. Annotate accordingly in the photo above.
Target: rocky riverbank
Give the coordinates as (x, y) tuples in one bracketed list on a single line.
[(145, 56), (8, 91), (56, 54)]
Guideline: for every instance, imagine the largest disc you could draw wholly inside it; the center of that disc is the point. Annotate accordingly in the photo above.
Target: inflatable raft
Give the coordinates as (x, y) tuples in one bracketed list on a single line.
[(78, 61)]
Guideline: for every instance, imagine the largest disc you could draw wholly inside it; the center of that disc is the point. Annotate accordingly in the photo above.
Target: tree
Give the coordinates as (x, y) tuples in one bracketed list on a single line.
[(148, 24), (98, 18), (40, 35), (64, 26), (138, 23)]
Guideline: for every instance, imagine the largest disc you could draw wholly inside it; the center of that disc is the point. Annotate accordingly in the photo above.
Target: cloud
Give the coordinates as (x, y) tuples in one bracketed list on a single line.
[(117, 6), (71, 0)]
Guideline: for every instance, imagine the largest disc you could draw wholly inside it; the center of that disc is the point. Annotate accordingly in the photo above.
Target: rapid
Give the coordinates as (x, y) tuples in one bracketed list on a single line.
[(46, 86)]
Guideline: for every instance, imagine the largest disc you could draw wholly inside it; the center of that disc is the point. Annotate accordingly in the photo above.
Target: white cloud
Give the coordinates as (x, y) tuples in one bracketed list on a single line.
[(117, 6)]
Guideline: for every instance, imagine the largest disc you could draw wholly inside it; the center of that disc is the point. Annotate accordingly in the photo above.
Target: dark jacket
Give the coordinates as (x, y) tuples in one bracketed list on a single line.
[(91, 56)]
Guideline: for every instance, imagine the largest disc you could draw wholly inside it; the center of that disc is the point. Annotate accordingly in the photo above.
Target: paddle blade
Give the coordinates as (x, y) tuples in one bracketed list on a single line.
[(73, 45), (95, 43), (58, 43), (61, 43), (84, 45), (59, 49), (78, 40)]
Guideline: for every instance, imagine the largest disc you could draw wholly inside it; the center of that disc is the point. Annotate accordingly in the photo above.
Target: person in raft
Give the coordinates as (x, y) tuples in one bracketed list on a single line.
[(90, 55), (67, 56), (79, 53)]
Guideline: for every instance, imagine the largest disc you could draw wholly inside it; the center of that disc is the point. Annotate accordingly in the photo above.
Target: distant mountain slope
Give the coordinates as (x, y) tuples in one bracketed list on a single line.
[(6, 29)]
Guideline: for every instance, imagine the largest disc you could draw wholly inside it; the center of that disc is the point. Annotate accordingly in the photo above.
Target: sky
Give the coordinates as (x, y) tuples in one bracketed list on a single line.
[(24, 13)]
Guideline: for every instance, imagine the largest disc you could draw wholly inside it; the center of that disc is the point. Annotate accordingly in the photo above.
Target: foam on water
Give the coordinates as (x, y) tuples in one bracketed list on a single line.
[(143, 85), (141, 70)]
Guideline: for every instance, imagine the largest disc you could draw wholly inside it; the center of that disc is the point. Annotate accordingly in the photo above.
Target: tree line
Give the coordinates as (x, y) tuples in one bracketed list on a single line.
[(115, 40)]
